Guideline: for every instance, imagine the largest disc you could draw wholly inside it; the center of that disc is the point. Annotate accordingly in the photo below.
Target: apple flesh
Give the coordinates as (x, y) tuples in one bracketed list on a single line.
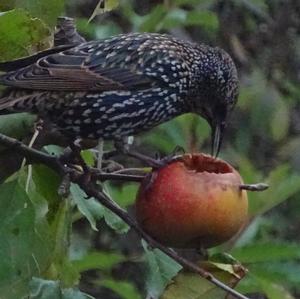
[(195, 202)]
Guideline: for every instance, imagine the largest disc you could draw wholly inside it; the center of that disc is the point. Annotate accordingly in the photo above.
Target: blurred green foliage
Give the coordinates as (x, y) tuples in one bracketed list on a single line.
[(43, 256), (14, 28)]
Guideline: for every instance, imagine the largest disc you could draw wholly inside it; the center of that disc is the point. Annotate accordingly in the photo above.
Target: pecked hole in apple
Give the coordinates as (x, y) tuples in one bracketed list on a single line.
[(206, 163)]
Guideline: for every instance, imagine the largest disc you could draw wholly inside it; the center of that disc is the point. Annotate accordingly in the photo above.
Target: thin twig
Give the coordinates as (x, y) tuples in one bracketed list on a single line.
[(29, 174), (254, 187), (133, 171), (90, 188), (117, 177), (100, 153)]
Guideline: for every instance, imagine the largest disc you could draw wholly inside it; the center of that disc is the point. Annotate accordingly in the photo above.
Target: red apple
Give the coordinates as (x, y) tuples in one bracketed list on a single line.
[(195, 202)]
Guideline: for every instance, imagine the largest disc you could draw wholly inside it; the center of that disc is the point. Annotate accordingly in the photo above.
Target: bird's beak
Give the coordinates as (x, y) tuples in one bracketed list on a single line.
[(217, 138)]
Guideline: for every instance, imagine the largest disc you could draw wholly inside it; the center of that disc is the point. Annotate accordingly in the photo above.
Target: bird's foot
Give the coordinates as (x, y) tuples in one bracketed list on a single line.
[(39, 125), (125, 149), (169, 159), (71, 156), (109, 166), (76, 149), (152, 162), (174, 156)]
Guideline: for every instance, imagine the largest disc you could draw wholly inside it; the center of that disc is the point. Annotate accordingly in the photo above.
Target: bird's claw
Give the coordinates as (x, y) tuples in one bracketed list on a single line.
[(111, 166), (178, 150), (167, 160), (156, 162)]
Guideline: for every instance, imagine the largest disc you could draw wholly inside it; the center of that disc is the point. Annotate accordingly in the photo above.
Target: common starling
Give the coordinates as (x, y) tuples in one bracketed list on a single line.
[(123, 85)]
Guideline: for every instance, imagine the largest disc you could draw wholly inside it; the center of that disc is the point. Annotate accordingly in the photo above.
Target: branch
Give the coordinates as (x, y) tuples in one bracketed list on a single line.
[(91, 189), (93, 192), (29, 153)]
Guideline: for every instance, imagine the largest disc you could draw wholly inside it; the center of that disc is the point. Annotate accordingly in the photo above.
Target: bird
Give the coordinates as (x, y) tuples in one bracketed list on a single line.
[(123, 85)]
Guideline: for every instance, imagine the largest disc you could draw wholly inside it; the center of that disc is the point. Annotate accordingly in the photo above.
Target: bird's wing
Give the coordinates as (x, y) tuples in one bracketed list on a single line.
[(108, 65), (8, 66)]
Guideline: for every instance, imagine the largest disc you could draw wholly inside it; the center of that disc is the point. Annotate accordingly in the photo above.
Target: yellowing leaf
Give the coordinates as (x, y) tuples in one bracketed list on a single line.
[(191, 285)]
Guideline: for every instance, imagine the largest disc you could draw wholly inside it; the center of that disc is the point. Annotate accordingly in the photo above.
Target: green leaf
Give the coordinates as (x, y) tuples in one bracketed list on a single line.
[(250, 232), (273, 290), (256, 253), (88, 157), (111, 219), (152, 21), (94, 211), (44, 289), (279, 129), (168, 136), (53, 9), (98, 260), (49, 289), (115, 222), (53, 149), (83, 206), (248, 171), (222, 258), (159, 140), (92, 30), (192, 286), (161, 269), (124, 289), (286, 273), (74, 294), (208, 20), (46, 183), (104, 6), (124, 195), (174, 18), (16, 125), (283, 185), (26, 246), (61, 229), (20, 34)]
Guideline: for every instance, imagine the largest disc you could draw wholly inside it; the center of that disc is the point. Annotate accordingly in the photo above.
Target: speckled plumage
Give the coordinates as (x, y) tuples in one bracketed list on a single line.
[(122, 85)]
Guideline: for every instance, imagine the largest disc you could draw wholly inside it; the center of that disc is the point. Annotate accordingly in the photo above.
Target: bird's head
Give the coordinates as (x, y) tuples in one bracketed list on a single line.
[(215, 91)]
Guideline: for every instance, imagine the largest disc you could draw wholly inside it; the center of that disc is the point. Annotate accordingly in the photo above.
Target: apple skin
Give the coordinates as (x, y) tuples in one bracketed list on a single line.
[(192, 203)]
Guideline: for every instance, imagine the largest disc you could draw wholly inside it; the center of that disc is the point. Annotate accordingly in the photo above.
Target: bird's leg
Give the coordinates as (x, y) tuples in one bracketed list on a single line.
[(176, 155), (124, 147), (71, 155), (76, 148), (72, 159)]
